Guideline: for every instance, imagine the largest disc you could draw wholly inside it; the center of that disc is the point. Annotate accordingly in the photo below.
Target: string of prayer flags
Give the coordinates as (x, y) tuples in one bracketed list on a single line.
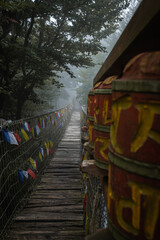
[(20, 176), (31, 173), (17, 137), (25, 174), (24, 134), (9, 137), (27, 127)]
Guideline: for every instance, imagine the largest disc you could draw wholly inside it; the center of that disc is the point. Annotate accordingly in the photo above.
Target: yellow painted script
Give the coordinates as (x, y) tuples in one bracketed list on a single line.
[(146, 113), (103, 148), (117, 106), (150, 208), (105, 112), (146, 118)]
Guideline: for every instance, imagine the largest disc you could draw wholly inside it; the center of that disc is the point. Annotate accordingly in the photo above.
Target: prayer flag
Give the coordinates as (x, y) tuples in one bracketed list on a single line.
[(37, 129), (25, 174), (9, 137), (43, 123), (32, 130), (42, 151), (31, 173), (39, 125), (27, 127), (36, 163), (40, 156), (32, 162), (40, 121), (20, 176), (51, 143), (17, 137), (47, 152), (24, 134)]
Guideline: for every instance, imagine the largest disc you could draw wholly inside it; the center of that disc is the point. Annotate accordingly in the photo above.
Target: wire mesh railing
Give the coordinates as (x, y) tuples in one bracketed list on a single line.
[(94, 208), (26, 146)]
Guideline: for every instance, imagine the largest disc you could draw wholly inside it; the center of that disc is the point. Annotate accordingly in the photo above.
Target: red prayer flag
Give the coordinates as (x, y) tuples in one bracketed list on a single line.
[(39, 125), (29, 128), (51, 151), (85, 202), (17, 137), (31, 173), (36, 164)]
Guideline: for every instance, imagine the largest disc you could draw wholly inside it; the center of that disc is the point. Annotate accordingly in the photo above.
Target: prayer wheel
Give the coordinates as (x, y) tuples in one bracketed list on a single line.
[(90, 115), (102, 122), (134, 153)]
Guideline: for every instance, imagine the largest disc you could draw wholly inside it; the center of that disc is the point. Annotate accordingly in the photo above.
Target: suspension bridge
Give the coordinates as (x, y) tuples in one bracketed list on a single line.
[(44, 195)]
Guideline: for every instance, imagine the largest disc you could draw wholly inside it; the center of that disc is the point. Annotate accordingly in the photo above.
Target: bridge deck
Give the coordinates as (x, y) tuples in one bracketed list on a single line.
[(55, 208)]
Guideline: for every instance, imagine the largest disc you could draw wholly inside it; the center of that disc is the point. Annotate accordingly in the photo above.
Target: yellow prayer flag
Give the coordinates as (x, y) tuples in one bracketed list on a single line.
[(85, 156), (51, 143), (24, 134), (40, 121), (32, 162), (47, 118), (84, 176), (40, 156), (32, 130), (46, 145)]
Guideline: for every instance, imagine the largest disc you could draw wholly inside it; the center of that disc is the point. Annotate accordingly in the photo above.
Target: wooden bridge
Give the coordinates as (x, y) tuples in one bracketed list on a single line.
[(55, 209)]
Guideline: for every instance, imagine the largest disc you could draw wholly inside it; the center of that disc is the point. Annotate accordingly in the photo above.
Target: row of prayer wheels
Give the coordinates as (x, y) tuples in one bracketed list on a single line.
[(123, 118)]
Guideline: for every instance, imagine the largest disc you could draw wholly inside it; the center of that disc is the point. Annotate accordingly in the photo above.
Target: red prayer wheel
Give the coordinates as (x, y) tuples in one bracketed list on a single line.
[(134, 168), (90, 115), (102, 122)]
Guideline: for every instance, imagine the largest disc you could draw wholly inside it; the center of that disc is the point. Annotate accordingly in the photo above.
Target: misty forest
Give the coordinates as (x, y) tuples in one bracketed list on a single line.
[(50, 51)]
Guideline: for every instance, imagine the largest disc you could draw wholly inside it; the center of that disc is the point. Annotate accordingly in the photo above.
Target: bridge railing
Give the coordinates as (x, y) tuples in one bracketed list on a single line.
[(94, 208), (26, 146)]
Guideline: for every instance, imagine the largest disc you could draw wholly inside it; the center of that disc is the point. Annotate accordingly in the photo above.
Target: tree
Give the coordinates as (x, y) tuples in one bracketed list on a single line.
[(41, 37)]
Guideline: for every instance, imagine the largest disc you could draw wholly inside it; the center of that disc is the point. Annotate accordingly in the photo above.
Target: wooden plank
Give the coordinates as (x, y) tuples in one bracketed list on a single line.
[(62, 208), (48, 225), (141, 34), (54, 202), (42, 216)]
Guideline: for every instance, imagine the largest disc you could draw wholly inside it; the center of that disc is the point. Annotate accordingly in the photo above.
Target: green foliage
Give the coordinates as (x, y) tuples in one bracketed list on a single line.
[(39, 38)]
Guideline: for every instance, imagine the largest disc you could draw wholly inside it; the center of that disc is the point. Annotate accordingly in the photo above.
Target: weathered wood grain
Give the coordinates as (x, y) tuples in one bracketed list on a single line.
[(55, 209)]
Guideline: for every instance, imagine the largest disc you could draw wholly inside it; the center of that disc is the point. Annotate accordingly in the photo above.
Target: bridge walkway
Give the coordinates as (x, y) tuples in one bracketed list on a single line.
[(55, 209)]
